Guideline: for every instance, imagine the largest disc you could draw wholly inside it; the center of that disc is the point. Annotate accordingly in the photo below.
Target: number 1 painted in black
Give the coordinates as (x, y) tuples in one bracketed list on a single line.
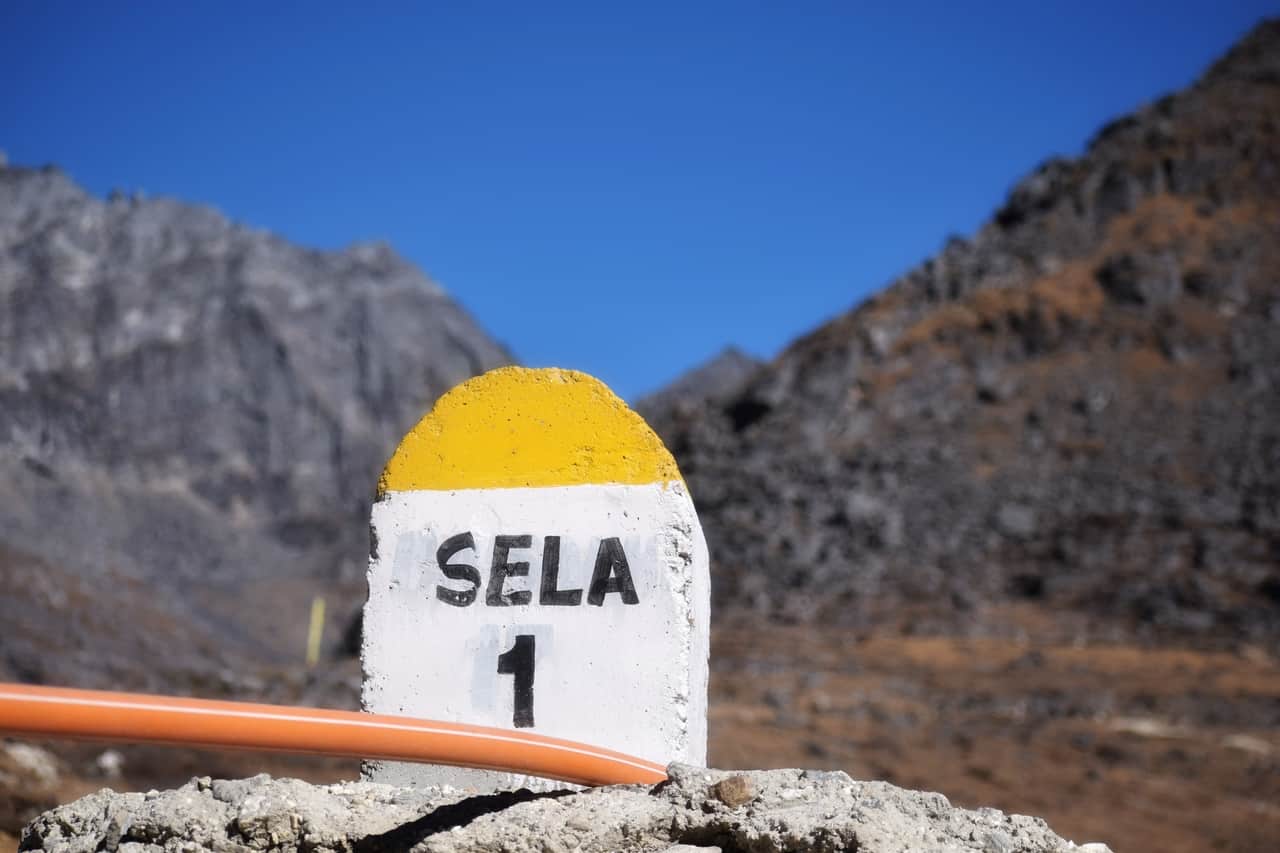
[(518, 661)]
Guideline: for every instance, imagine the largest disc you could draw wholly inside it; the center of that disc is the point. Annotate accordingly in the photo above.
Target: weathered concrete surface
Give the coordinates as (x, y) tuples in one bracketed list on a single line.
[(537, 564), (765, 811)]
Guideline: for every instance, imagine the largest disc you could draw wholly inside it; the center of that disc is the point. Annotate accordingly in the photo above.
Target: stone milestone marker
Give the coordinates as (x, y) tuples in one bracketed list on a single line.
[(537, 565)]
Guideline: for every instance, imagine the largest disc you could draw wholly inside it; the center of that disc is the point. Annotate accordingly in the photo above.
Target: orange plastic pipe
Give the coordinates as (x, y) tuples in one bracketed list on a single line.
[(59, 712)]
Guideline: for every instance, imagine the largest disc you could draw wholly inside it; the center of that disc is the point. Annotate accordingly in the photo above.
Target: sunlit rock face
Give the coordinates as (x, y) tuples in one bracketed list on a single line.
[(193, 415)]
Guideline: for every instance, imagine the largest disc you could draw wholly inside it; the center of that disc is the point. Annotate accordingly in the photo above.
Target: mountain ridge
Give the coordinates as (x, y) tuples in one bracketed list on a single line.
[(200, 408), (1052, 410)]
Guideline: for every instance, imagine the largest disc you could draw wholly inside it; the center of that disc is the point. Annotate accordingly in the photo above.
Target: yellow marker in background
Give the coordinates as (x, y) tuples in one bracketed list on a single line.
[(316, 631), (537, 564)]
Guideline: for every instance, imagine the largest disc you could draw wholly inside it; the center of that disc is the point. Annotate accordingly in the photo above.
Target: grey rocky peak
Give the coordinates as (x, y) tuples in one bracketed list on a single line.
[(1078, 406), (193, 414), (717, 379), (791, 810)]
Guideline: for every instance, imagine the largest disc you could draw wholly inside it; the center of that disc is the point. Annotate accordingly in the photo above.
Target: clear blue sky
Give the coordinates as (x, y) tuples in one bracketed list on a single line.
[(619, 188)]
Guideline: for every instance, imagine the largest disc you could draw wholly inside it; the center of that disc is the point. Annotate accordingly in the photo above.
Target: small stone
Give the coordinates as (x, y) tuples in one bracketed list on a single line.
[(689, 848), (735, 791), (37, 765), (582, 823), (998, 842), (1016, 520), (110, 764)]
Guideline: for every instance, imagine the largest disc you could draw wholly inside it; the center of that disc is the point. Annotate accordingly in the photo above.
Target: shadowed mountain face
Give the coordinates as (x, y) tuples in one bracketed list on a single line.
[(1078, 406), (717, 379), (193, 415)]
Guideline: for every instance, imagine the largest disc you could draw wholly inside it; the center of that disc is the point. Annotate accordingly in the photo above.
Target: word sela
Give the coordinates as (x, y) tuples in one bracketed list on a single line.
[(611, 575)]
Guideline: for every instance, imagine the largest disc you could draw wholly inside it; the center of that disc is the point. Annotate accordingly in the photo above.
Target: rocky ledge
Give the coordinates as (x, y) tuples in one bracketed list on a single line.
[(772, 810)]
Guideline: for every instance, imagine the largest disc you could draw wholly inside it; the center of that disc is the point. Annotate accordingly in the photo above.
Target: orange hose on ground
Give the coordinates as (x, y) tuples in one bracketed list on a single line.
[(59, 712)]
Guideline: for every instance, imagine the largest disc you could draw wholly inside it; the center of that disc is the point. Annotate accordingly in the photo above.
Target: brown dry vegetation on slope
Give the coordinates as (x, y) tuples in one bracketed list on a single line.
[(1171, 749), (1079, 407)]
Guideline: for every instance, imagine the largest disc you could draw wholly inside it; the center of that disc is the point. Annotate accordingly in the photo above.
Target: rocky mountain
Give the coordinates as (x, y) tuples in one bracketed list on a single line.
[(716, 379), (193, 414), (1078, 407)]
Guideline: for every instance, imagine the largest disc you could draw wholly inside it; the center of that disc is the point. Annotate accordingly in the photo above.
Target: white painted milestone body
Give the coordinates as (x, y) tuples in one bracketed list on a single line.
[(562, 591)]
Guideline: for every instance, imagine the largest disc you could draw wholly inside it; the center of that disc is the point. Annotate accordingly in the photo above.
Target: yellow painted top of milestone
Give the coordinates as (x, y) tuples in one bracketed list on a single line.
[(517, 426)]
